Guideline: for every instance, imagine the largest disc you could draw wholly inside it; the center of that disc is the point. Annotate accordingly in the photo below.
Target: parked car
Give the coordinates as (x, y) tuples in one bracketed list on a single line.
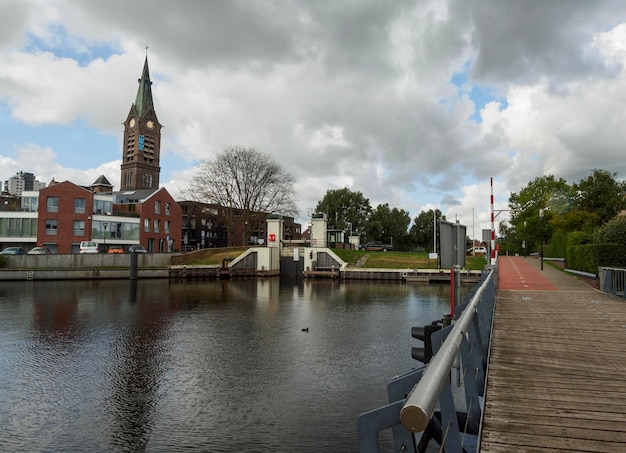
[(88, 247), (377, 246), (39, 251), (115, 249), (479, 250), (13, 251), (137, 249)]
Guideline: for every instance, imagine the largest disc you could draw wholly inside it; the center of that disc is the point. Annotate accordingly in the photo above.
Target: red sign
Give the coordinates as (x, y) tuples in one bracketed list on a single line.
[(272, 237)]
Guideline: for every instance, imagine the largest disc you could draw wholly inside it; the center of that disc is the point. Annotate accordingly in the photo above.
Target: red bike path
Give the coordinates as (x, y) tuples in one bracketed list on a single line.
[(517, 273)]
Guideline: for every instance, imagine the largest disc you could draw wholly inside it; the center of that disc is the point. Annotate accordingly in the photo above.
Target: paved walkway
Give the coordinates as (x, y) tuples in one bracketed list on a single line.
[(557, 367)]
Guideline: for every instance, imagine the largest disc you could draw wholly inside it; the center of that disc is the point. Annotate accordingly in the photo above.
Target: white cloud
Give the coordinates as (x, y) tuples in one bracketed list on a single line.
[(341, 94)]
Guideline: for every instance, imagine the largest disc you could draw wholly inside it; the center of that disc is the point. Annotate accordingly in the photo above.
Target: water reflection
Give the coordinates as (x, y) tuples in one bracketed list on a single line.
[(201, 366)]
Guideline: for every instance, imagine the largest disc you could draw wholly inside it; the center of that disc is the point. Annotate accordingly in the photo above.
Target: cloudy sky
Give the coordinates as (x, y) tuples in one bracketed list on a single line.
[(413, 103)]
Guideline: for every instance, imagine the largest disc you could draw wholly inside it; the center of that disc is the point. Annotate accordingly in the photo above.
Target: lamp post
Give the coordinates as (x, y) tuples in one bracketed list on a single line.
[(541, 236), (524, 243), (434, 231), (105, 225)]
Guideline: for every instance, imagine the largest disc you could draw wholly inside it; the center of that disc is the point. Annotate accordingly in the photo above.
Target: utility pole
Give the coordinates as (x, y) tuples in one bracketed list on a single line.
[(434, 231)]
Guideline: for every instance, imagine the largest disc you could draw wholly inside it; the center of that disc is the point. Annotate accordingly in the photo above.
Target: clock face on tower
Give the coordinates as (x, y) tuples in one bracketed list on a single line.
[(132, 122), (150, 124)]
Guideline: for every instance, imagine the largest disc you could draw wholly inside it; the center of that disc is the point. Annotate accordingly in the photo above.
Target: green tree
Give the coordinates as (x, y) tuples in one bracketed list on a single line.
[(421, 232), (576, 220), (553, 196), (544, 192), (613, 232), (343, 207), (600, 194), (388, 225)]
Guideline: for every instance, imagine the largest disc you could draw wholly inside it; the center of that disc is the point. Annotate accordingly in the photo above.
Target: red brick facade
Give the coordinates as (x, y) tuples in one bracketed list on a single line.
[(63, 214), (160, 222), (66, 217)]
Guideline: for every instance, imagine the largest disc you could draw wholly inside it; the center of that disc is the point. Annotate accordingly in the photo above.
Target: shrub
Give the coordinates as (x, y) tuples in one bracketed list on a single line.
[(588, 258), (614, 231)]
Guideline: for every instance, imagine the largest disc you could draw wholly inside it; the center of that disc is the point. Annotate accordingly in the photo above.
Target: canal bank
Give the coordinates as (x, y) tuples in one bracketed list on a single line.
[(83, 266), (189, 266), (189, 272)]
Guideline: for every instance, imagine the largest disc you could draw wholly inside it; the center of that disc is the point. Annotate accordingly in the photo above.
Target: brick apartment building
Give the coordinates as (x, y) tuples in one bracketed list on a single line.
[(204, 226), (69, 214)]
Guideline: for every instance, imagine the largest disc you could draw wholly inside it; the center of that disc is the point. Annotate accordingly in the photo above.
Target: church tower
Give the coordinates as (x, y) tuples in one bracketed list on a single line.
[(142, 140)]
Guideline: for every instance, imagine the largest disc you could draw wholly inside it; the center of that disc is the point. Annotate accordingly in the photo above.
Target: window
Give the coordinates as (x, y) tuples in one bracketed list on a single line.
[(29, 204), (79, 205), (52, 204), (147, 180), (116, 230), (167, 209), (102, 206), (79, 227), (146, 225), (156, 225), (157, 207), (166, 227), (18, 227), (51, 226)]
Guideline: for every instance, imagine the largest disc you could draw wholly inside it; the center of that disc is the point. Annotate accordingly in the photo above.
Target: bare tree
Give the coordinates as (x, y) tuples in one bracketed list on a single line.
[(245, 181)]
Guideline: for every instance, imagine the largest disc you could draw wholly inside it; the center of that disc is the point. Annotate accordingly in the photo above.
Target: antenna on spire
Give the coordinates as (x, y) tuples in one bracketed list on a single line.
[(146, 51)]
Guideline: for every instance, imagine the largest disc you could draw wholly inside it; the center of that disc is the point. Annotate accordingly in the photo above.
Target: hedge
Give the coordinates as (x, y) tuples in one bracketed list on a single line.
[(588, 258)]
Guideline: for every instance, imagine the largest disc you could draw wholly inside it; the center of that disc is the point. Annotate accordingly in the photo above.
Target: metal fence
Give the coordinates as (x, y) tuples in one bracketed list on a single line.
[(612, 280), (440, 403)]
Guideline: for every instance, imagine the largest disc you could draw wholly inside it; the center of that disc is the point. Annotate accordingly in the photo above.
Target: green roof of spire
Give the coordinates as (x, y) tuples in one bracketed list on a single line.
[(143, 101)]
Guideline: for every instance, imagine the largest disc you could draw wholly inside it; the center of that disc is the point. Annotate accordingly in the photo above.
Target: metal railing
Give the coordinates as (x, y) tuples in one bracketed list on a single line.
[(443, 401), (613, 280)]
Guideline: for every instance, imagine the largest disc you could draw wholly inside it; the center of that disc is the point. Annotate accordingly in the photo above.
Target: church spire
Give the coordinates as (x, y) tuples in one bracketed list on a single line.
[(142, 140), (143, 101)]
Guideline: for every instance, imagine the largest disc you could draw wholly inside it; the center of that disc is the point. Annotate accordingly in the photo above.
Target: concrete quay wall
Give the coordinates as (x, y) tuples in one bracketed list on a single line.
[(85, 261), (83, 266), (78, 274)]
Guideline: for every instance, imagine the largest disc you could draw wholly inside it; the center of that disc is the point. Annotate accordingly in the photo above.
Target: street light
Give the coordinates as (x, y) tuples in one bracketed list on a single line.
[(524, 243), (541, 236), (105, 225)]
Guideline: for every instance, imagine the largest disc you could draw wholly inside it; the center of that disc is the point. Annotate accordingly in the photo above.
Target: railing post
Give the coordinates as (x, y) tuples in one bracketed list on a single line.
[(457, 285)]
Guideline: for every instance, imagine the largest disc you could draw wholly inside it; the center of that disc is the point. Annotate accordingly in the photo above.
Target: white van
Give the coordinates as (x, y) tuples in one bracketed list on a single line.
[(88, 247)]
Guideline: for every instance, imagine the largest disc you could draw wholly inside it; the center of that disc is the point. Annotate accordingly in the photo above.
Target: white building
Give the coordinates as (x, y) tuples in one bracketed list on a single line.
[(21, 182)]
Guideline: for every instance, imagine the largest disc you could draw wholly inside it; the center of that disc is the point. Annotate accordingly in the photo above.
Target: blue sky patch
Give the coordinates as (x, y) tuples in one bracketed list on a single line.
[(76, 144), (65, 45), (480, 95)]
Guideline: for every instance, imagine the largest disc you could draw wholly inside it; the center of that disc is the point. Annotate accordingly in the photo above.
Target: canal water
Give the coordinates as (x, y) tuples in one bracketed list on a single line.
[(269, 365)]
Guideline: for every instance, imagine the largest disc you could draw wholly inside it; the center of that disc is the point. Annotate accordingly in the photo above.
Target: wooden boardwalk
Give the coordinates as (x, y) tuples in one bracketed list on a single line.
[(557, 369)]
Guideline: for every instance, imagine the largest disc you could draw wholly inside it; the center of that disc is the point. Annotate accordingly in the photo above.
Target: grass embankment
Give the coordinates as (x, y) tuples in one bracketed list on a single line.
[(357, 258), (211, 257), (399, 260)]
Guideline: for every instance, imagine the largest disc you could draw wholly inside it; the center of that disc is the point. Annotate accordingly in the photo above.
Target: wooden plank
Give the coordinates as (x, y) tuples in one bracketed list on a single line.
[(557, 371)]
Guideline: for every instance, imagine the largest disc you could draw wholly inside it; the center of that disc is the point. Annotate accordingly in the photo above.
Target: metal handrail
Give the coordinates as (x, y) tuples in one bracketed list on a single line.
[(612, 280), (420, 404)]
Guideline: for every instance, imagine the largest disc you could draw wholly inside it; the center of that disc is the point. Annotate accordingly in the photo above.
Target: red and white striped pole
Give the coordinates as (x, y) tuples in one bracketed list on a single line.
[(493, 230)]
